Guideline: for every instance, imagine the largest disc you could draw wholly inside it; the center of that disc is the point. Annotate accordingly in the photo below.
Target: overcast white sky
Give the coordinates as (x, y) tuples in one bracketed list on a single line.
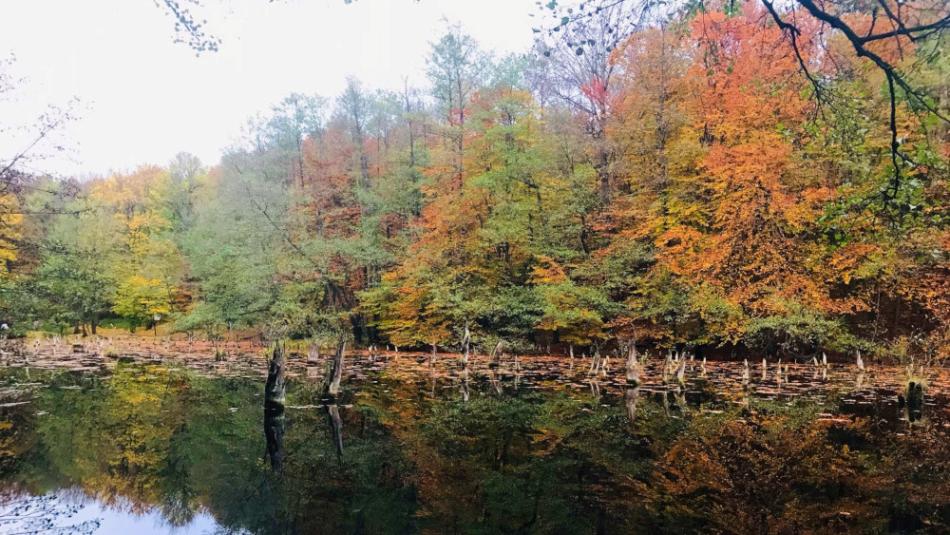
[(144, 98)]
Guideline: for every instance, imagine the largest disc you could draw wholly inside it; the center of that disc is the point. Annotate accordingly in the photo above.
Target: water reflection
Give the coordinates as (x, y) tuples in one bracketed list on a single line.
[(274, 424), (336, 429), (630, 397), (460, 454)]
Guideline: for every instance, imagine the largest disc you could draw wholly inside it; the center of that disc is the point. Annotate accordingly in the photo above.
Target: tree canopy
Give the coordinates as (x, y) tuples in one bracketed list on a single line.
[(718, 175)]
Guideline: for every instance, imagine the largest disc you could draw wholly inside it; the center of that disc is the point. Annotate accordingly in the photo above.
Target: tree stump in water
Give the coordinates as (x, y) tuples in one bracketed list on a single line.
[(681, 372), (275, 390), (915, 400), (466, 343), (633, 366), (495, 355), (595, 363), (336, 373)]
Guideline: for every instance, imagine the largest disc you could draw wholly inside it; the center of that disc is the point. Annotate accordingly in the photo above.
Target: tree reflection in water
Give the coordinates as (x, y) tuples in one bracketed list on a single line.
[(274, 424), (426, 455)]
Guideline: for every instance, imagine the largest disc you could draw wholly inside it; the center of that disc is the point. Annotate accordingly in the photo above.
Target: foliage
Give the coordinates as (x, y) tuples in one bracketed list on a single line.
[(676, 183)]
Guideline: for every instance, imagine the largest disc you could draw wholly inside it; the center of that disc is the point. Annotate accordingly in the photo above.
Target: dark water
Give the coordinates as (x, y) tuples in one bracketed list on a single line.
[(149, 449)]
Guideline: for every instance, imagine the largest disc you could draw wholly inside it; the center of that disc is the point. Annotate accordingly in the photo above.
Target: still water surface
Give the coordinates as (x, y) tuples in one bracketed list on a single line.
[(532, 447)]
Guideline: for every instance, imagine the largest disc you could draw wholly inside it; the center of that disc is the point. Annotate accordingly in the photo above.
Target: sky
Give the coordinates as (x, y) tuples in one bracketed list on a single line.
[(141, 98)]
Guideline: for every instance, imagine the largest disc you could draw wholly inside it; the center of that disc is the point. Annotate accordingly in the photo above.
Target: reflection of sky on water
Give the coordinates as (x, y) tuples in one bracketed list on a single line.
[(120, 522), (117, 520)]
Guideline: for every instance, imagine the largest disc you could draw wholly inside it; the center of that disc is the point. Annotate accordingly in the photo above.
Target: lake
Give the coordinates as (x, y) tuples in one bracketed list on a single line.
[(144, 445)]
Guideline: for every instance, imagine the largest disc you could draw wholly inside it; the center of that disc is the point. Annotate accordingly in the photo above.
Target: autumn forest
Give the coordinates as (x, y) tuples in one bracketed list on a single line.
[(644, 267), (731, 178)]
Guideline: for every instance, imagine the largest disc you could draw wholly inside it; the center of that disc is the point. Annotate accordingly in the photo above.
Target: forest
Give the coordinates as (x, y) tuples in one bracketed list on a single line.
[(652, 267), (725, 182)]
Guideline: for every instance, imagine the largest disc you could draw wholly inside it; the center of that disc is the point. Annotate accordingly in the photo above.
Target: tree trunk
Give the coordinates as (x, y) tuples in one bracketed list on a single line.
[(313, 354), (336, 374), (602, 166), (496, 353), (466, 343), (275, 389), (915, 400), (595, 362), (633, 365)]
